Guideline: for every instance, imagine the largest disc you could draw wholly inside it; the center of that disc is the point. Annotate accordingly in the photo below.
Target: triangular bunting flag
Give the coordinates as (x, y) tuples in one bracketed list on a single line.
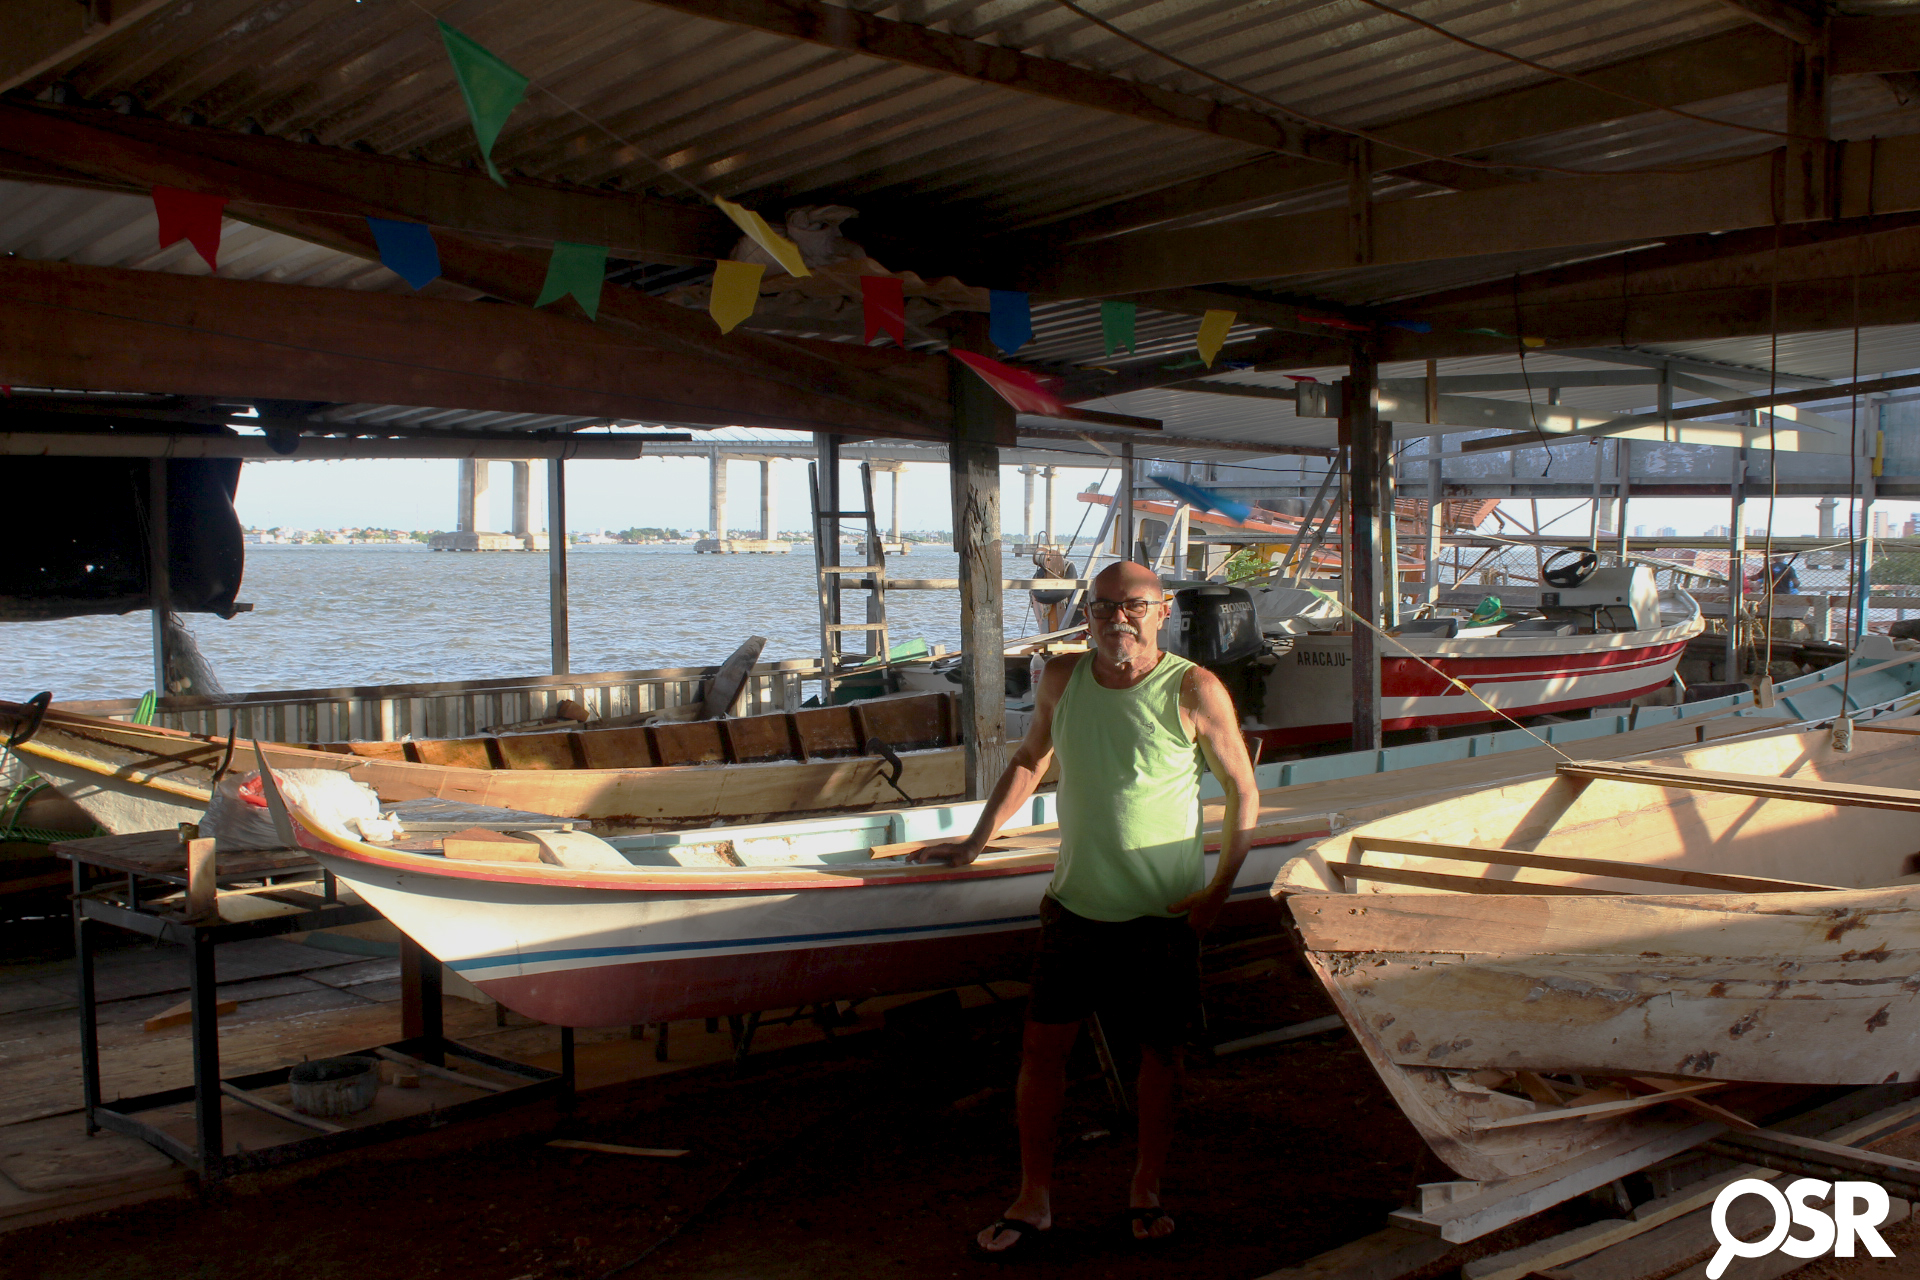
[(1333, 322), (883, 307), (1010, 320), (1016, 386), (1412, 326), (576, 269), (736, 292), (1116, 325), (407, 250), (1214, 327), (491, 87), (191, 216), (784, 251)]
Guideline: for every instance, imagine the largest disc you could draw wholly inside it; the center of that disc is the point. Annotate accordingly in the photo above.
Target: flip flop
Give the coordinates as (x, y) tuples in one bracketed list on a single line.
[(1027, 1240), (1147, 1217)]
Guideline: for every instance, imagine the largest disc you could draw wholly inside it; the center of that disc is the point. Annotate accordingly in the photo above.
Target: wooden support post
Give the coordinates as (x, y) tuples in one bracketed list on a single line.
[(559, 642), (420, 999), (826, 532), (980, 417), (1125, 498), (1809, 176), (202, 890), (159, 577), (1367, 441), (1360, 200)]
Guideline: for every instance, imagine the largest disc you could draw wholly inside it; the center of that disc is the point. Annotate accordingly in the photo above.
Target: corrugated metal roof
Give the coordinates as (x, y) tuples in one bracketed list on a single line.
[(753, 115)]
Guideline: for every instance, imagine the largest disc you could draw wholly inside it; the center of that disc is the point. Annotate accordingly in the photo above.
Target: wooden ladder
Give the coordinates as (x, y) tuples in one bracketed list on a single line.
[(831, 579)]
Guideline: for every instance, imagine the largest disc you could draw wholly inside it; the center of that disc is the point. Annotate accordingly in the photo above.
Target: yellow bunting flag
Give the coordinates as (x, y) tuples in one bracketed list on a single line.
[(1213, 331), (784, 251), (1533, 342), (736, 292)]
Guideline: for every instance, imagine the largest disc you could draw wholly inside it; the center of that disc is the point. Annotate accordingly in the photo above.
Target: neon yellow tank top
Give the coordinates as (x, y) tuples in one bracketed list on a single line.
[(1129, 796)]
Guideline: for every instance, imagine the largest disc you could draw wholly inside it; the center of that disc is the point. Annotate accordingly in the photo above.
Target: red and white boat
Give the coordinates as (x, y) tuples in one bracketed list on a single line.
[(1613, 637)]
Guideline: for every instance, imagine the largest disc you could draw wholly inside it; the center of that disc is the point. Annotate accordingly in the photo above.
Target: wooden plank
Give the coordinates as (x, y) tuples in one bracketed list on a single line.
[(1460, 884), (1805, 791), (1283, 831), (478, 844), (1597, 1110), (1504, 1203), (614, 1148), (288, 1114), (442, 1073), (181, 1014), (1609, 867), (1862, 726), (981, 422)]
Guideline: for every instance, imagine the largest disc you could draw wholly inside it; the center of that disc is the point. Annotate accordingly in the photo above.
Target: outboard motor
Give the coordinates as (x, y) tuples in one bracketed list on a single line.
[(1213, 625)]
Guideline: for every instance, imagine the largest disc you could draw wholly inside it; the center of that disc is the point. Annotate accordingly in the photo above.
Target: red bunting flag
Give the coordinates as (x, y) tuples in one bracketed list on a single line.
[(1016, 386), (1333, 322), (192, 216), (884, 307)]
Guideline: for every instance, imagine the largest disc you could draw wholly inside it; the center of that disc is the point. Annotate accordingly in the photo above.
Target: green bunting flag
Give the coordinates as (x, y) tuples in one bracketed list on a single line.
[(491, 87), (576, 269), (1116, 326)]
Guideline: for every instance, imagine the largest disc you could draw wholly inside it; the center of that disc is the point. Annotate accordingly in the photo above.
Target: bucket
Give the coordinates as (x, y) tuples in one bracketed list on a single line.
[(334, 1086)]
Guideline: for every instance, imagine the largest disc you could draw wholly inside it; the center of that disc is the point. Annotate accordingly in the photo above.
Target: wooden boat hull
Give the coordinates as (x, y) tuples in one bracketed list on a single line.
[(1809, 988), (654, 945), (142, 778)]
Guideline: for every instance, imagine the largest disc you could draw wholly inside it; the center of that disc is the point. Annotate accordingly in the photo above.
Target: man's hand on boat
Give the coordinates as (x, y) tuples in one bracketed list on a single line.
[(956, 853), (1202, 907)]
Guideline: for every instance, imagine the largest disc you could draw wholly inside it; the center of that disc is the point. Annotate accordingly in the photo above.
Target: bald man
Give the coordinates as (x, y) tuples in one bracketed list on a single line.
[(1121, 921)]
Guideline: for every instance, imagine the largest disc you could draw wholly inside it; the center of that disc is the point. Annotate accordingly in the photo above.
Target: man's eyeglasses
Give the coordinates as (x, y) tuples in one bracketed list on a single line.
[(1136, 607)]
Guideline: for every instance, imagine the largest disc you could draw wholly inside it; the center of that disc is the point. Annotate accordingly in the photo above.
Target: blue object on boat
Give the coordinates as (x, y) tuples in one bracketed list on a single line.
[(1205, 499)]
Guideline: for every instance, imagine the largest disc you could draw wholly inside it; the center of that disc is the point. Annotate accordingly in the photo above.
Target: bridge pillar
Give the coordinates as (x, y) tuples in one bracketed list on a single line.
[(767, 531), (471, 505), (717, 493), (522, 498)]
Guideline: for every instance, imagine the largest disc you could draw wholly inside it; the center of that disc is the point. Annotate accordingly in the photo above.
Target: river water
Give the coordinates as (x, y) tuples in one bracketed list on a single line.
[(326, 616)]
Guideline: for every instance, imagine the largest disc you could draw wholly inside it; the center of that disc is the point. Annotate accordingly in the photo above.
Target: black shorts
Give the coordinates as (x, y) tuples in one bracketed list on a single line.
[(1142, 976)]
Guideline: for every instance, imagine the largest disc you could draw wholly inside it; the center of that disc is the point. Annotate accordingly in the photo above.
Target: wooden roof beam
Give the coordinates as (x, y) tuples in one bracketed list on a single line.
[(444, 196), (912, 45), (112, 329), (44, 34), (1736, 61), (1882, 175), (889, 392)]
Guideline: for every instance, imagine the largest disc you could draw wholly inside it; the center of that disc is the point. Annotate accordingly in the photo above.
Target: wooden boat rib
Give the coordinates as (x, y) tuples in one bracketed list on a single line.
[(144, 778), (1627, 922)]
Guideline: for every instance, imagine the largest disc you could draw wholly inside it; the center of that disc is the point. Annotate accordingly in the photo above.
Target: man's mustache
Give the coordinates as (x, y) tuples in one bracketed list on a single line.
[(1123, 629)]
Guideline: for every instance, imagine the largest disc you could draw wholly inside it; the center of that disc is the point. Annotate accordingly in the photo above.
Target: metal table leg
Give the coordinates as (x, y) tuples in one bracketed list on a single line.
[(206, 1055), (89, 1019)]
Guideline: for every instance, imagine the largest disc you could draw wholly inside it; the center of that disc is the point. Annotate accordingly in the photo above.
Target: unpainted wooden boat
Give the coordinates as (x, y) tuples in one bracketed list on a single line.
[(1530, 967), (639, 778)]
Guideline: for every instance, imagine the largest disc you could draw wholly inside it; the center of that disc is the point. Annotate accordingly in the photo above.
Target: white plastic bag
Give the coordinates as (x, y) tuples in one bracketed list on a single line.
[(238, 818)]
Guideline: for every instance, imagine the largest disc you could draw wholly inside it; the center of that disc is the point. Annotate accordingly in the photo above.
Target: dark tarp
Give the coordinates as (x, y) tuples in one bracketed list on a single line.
[(79, 542)]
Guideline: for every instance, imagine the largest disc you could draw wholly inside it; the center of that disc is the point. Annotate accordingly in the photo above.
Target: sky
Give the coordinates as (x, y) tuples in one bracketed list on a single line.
[(657, 492), (672, 493)]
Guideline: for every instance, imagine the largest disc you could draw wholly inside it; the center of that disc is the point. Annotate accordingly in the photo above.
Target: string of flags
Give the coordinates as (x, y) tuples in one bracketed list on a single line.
[(492, 90)]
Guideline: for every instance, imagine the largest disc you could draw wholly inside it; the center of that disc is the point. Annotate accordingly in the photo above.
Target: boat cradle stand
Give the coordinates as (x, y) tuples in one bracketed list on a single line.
[(154, 865)]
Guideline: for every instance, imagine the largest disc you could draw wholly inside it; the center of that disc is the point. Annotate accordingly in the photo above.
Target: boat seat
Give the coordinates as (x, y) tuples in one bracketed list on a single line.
[(1445, 628), (579, 850), (1537, 627)]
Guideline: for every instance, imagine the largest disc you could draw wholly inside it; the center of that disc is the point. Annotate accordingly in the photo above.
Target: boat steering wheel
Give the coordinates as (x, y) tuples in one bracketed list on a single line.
[(1572, 575)]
